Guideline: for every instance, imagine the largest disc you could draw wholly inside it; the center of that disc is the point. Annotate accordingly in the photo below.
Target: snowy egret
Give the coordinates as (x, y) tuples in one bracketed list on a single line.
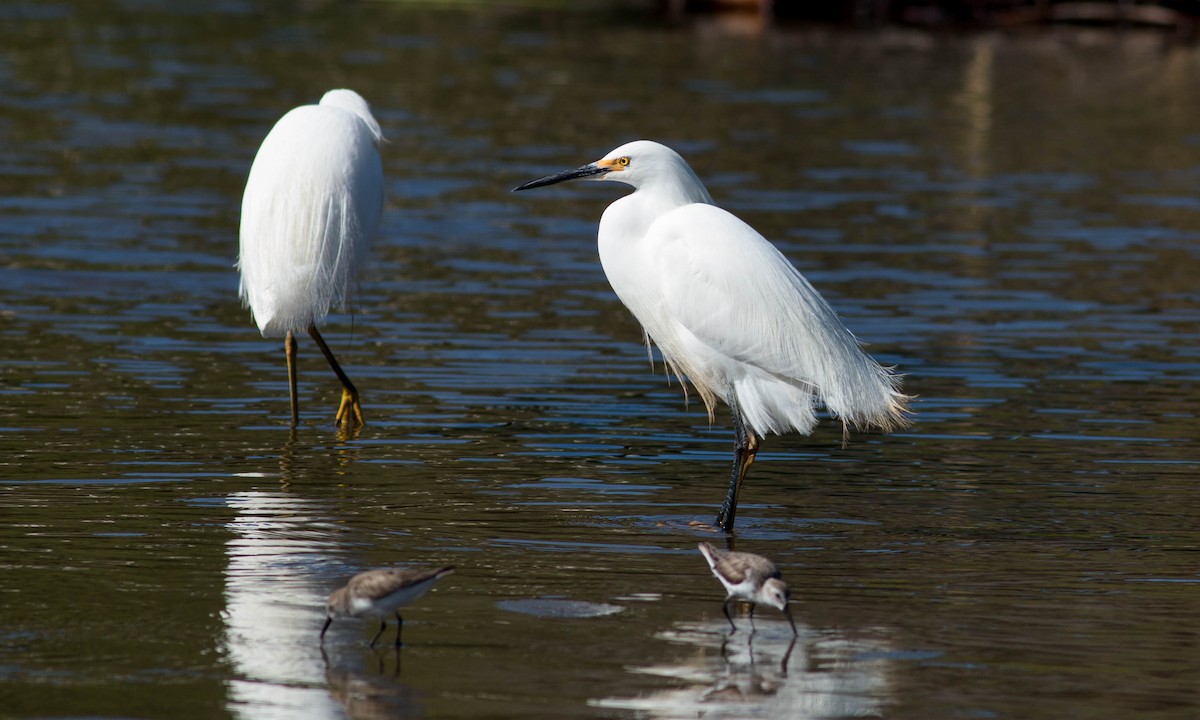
[(728, 311), (381, 593), (748, 577), (309, 214)]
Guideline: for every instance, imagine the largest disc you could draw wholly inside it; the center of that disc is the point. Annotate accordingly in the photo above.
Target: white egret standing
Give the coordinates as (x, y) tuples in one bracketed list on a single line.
[(310, 213), (727, 309)]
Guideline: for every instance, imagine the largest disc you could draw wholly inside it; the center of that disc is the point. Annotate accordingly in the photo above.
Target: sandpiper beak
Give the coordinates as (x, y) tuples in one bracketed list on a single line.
[(579, 172), (787, 610), (328, 620)]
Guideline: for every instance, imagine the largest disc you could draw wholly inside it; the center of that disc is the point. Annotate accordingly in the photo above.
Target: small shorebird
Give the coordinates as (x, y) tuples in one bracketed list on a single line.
[(381, 593), (749, 577)]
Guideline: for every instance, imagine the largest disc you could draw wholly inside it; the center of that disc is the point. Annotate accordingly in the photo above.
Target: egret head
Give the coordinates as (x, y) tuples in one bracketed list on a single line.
[(354, 104), (640, 163), (775, 593)]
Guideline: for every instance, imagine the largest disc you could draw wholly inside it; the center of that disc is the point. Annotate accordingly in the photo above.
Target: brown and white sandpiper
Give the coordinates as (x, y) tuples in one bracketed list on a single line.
[(749, 577), (380, 593)]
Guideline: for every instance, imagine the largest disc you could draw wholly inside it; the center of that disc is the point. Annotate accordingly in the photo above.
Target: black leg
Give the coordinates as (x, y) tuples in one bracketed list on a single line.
[(752, 606), (328, 621), (349, 413), (728, 617), (399, 628), (744, 451), (289, 350), (382, 627)]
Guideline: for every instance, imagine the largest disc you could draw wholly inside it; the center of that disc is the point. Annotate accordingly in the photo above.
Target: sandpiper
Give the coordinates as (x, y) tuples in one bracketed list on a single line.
[(749, 577), (381, 593)]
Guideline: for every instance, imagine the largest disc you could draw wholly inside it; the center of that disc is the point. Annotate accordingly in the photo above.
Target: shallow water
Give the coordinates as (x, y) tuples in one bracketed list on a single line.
[(1012, 220)]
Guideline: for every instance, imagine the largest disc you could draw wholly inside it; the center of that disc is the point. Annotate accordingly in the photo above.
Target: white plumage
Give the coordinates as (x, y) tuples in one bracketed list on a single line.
[(309, 215), (727, 309)]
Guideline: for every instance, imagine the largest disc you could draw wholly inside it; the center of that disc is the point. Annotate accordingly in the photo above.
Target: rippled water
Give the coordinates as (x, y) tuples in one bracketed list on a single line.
[(1013, 220)]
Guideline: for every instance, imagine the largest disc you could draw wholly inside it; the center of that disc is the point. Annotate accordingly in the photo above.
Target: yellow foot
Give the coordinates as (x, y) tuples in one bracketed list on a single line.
[(349, 414)]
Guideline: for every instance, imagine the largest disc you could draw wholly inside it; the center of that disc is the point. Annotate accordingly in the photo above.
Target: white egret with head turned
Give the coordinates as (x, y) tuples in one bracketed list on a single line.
[(728, 311), (309, 214)]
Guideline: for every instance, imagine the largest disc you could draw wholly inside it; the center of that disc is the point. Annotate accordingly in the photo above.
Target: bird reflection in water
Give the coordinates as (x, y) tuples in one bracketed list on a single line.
[(378, 695), (299, 460), (769, 673), (751, 681)]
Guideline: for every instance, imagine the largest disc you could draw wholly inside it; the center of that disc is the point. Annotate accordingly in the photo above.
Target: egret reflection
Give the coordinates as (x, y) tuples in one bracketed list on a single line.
[(271, 600)]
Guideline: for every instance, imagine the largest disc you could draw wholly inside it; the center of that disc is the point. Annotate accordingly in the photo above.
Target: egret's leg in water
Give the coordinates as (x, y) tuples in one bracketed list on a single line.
[(289, 350), (349, 413), (745, 448)]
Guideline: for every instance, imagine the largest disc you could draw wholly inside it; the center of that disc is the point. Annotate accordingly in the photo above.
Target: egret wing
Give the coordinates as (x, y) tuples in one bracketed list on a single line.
[(727, 288), (310, 211)]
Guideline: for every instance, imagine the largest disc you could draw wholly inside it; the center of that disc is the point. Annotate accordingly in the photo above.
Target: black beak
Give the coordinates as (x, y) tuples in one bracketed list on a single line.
[(788, 612), (580, 172), (328, 620)]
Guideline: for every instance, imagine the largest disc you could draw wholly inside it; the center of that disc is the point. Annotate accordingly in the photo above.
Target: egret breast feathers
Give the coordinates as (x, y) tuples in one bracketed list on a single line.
[(300, 207)]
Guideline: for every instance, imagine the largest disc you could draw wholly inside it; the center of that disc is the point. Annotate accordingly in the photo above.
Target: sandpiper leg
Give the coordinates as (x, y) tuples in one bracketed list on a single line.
[(728, 617), (382, 627), (399, 628)]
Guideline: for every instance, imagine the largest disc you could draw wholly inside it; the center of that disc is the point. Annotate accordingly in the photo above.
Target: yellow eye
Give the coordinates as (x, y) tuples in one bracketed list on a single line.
[(623, 161)]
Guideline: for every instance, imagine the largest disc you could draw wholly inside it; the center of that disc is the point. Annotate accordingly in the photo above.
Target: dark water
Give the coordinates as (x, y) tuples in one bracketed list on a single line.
[(1013, 220)]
